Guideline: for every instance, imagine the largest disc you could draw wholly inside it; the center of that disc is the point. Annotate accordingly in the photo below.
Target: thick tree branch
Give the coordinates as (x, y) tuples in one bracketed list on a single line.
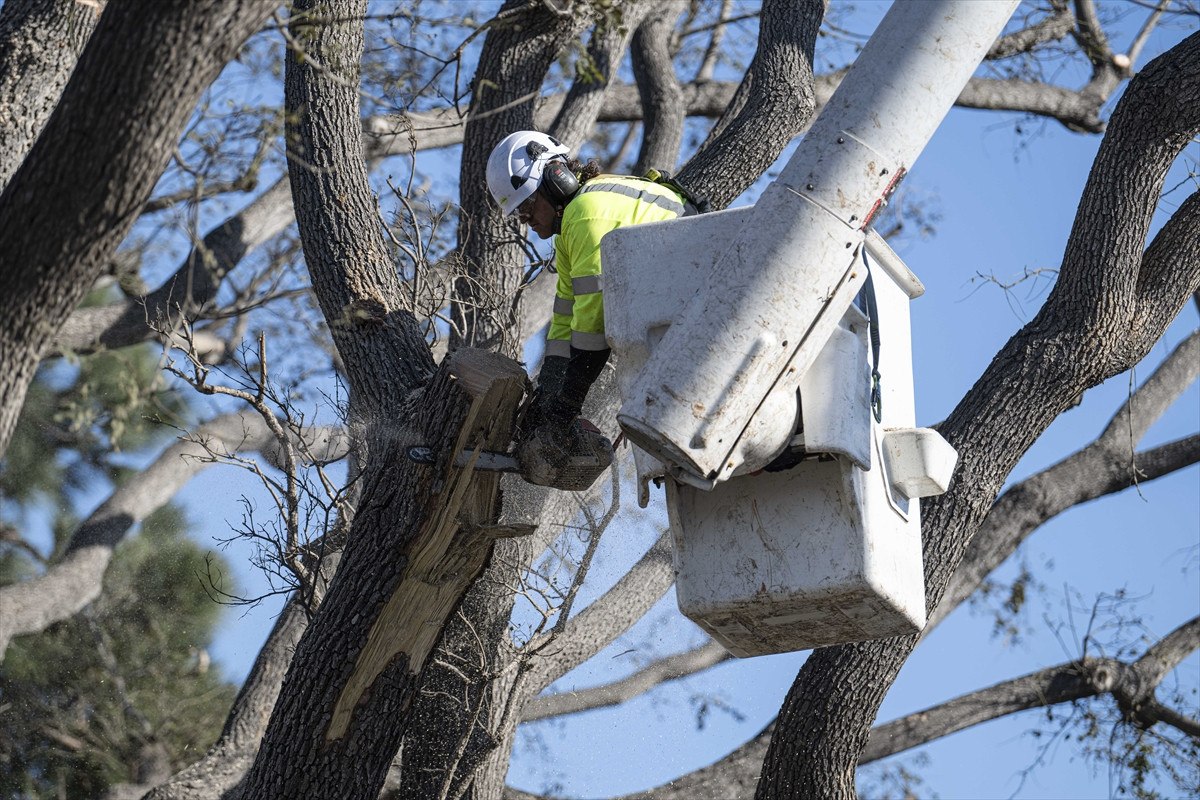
[(608, 617), (1053, 28), (123, 324), (1074, 109), (1132, 685), (512, 66), (356, 284), (1107, 465), (1169, 652), (1080, 337), (658, 86), (40, 41), (1170, 258), (779, 102), (1129, 684), (97, 160), (577, 113), (191, 289), (422, 534)]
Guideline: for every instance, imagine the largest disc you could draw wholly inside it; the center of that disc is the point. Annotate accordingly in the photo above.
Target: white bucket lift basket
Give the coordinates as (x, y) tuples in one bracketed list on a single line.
[(828, 551), (718, 321)]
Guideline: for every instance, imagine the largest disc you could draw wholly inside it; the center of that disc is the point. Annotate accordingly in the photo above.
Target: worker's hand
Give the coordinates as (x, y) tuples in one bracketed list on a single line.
[(549, 385), (547, 410)]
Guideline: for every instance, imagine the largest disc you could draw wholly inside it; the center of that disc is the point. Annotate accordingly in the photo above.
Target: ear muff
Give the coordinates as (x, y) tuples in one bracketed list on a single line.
[(558, 184)]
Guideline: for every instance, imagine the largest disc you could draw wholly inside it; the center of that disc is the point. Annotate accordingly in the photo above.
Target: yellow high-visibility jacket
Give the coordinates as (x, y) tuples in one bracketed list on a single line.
[(604, 203)]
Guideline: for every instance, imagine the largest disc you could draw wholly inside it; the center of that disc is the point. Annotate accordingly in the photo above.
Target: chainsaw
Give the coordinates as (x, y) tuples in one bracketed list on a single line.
[(571, 465), (485, 460)]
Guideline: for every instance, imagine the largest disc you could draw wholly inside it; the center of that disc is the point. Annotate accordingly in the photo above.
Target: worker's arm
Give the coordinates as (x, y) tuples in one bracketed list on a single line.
[(558, 338), (580, 244), (583, 280)]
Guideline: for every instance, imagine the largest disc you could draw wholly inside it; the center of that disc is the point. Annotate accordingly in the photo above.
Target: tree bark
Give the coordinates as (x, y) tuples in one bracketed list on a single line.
[(576, 116), (461, 699), (421, 534), (1132, 685), (190, 290), (1107, 465), (770, 141), (774, 102), (649, 677), (1110, 304), (355, 281), (518, 50), (80, 189), (662, 97), (223, 248), (40, 41)]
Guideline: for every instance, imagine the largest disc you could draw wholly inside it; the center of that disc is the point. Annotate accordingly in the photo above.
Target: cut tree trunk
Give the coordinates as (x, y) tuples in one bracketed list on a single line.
[(420, 538)]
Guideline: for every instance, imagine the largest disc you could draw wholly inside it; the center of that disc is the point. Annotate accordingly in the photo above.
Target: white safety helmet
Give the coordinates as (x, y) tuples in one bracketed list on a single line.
[(514, 169)]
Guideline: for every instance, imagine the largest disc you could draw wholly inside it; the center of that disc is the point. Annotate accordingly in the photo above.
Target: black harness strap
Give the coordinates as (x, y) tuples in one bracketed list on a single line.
[(867, 303)]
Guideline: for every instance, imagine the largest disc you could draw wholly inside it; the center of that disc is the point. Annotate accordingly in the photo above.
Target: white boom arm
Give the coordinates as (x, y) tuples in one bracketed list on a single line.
[(776, 295)]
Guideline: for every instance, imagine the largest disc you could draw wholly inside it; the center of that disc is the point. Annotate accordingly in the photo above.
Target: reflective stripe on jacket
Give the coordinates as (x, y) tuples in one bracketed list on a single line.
[(603, 204)]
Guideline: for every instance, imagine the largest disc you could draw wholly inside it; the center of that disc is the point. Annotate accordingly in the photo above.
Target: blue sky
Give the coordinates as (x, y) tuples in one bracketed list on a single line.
[(1006, 202)]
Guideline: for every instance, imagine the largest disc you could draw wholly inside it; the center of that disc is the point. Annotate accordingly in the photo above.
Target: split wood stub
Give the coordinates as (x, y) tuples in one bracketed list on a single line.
[(453, 544)]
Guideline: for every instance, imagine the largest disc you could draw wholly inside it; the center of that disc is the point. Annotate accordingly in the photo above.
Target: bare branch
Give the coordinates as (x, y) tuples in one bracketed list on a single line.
[(1090, 33), (193, 286), (75, 580), (1051, 686), (1051, 29), (649, 677), (577, 114), (609, 616), (1131, 684), (203, 189), (1143, 35), (1169, 652), (713, 51)]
